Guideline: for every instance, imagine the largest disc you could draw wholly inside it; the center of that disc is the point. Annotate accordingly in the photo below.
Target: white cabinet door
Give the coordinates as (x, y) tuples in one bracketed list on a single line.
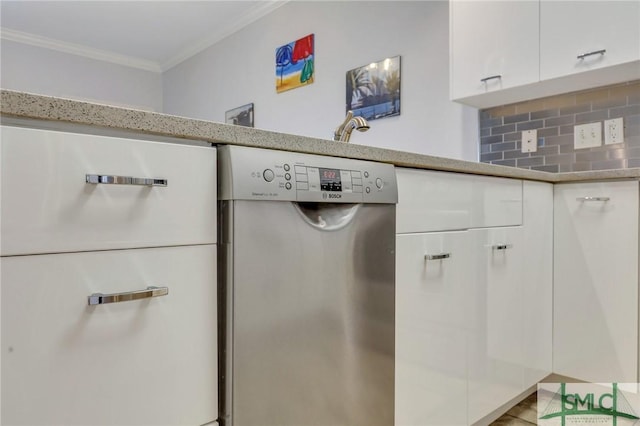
[(570, 28), (48, 206), (537, 281), (495, 354), (141, 362), (489, 39), (596, 281), (431, 324)]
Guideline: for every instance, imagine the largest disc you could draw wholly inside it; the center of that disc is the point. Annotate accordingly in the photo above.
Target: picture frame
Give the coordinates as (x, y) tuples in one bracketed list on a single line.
[(295, 64), (240, 116), (373, 91)]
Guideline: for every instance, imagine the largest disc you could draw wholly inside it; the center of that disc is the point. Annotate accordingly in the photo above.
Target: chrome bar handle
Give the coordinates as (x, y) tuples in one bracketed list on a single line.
[(437, 256), (502, 246), (124, 180), (102, 299), (595, 52), (493, 77), (593, 199)]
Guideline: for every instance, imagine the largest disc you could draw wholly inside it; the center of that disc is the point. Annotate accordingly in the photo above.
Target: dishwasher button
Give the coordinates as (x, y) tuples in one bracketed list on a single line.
[(379, 183), (366, 174), (367, 189), (287, 176), (287, 185), (286, 168), (268, 175)]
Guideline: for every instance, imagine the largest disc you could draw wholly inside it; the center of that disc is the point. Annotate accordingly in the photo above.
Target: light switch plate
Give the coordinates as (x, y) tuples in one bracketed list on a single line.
[(530, 141), (613, 131), (587, 135)]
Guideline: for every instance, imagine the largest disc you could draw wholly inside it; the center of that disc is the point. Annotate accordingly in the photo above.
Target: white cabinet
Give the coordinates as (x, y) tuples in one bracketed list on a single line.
[(141, 362), (534, 48), (494, 45), (596, 281), (496, 339), (569, 30), (468, 333), (431, 328), (48, 207), (439, 201), (151, 360), (537, 280)]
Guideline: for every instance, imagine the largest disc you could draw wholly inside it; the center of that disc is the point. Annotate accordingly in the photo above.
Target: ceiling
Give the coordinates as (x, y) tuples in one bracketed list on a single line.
[(152, 35)]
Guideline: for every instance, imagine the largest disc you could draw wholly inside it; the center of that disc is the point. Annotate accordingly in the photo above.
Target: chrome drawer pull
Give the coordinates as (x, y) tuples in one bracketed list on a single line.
[(593, 199), (437, 256), (493, 77), (124, 180), (102, 299), (502, 246), (595, 52)]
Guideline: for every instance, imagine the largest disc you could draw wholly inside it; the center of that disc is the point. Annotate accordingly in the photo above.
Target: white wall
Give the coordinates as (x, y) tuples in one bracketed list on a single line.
[(348, 34), (49, 72)]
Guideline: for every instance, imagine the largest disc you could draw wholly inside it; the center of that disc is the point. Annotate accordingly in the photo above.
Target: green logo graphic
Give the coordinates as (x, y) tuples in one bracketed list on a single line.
[(610, 404)]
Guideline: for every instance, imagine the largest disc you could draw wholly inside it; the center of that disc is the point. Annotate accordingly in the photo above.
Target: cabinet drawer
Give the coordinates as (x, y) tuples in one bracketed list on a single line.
[(497, 202), (148, 361), (48, 207), (436, 201), (433, 201)]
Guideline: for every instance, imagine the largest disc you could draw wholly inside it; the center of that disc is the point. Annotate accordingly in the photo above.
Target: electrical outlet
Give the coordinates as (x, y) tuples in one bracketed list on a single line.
[(587, 135), (613, 131), (530, 141)]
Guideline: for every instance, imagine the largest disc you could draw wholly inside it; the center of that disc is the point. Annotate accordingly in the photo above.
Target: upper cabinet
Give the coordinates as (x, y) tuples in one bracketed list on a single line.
[(588, 35), (505, 52), (494, 46)]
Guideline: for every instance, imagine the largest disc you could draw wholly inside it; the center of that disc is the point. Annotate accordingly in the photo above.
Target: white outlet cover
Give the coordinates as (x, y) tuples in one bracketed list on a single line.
[(530, 141), (587, 135), (613, 131)]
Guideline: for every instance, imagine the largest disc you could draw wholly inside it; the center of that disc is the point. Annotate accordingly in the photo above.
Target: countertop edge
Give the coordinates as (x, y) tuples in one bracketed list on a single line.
[(53, 109)]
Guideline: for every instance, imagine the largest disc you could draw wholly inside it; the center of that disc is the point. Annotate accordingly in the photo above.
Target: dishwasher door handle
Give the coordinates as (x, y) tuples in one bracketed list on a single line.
[(103, 299)]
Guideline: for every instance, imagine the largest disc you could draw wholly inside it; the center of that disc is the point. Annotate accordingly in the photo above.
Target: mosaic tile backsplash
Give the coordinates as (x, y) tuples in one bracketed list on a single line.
[(554, 118)]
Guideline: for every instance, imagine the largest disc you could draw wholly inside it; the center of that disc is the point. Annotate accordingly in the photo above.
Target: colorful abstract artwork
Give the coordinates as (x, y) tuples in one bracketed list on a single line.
[(373, 91), (294, 64), (241, 116)]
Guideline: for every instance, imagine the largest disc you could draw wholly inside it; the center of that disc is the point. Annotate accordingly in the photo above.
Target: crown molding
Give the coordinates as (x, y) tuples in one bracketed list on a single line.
[(79, 50), (263, 8)]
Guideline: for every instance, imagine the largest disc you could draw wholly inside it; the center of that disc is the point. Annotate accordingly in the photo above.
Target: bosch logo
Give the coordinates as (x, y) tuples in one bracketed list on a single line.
[(335, 195)]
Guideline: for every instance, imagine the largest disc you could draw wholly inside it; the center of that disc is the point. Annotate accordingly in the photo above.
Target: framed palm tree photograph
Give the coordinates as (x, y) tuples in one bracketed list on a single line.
[(373, 91)]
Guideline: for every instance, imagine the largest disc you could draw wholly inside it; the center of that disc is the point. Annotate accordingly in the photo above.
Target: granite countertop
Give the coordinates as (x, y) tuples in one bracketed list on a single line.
[(30, 106)]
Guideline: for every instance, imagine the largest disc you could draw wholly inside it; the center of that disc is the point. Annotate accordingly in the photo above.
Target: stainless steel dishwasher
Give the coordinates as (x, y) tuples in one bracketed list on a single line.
[(307, 289)]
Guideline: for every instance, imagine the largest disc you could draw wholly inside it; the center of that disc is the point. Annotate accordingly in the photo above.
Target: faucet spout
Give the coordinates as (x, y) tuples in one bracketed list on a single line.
[(343, 131)]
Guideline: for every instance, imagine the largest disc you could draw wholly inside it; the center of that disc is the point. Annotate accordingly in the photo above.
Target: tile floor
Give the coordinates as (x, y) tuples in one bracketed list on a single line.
[(524, 414)]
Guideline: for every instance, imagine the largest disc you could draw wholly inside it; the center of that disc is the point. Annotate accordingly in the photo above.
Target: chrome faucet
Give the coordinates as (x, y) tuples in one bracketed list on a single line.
[(343, 131)]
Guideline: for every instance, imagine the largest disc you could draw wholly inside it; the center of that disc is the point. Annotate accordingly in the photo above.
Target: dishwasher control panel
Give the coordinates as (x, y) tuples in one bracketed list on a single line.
[(261, 174)]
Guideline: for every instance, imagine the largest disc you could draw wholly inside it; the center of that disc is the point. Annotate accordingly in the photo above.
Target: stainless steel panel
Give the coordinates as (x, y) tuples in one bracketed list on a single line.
[(313, 312), (242, 177)]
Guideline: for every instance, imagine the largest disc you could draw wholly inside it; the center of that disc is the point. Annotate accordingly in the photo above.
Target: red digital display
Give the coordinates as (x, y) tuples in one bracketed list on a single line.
[(330, 180)]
